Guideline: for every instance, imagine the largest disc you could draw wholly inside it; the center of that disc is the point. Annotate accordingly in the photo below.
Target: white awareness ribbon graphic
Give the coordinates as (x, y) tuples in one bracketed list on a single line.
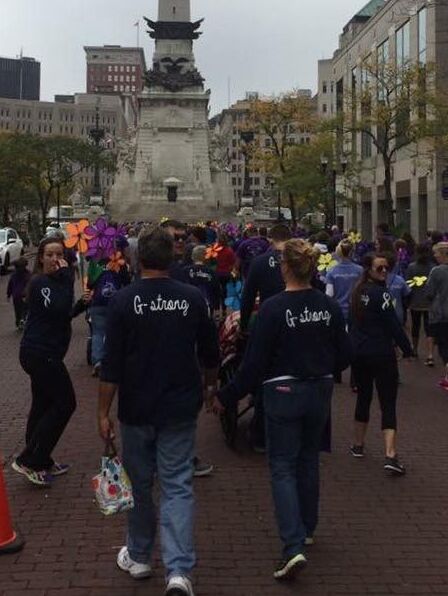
[(46, 293), (387, 301)]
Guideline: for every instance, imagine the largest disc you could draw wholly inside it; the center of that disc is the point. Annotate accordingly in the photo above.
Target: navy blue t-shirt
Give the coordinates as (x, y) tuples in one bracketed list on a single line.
[(158, 330), (297, 334)]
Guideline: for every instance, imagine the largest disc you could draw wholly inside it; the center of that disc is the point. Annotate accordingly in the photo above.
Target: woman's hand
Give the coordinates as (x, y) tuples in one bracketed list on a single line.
[(87, 296), (61, 264)]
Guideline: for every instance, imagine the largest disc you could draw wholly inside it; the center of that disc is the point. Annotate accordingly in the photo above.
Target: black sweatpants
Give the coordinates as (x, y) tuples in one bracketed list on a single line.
[(52, 406), (417, 316), (381, 371)]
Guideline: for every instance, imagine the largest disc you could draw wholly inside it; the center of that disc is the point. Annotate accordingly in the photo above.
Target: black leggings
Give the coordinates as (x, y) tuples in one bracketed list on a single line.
[(383, 372), (440, 332), (417, 316), (52, 406)]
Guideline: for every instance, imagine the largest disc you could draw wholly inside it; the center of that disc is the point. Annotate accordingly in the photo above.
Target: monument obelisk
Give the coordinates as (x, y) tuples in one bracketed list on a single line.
[(166, 170)]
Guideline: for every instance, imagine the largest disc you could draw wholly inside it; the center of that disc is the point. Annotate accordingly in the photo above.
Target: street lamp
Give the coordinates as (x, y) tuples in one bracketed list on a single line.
[(324, 162), (97, 135)]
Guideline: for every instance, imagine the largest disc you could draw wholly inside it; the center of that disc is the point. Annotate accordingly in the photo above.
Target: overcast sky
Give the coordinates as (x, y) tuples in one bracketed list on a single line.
[(261, 45)]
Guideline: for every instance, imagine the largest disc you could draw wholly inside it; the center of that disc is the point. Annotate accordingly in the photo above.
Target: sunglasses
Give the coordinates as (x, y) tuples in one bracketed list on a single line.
[(381, 269)]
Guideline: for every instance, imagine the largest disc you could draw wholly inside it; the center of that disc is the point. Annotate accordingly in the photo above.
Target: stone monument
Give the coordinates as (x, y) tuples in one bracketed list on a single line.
[(166, 165)]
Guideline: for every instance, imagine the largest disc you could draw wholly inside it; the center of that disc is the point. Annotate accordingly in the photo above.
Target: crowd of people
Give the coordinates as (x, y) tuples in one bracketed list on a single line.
[(309, 307)]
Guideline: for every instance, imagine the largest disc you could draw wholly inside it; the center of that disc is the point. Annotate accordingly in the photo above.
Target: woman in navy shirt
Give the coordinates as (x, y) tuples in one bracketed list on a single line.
[(298, 341)]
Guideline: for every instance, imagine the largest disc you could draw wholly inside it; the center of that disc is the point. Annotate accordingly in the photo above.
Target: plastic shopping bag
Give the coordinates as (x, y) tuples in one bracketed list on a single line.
[(112, 487)]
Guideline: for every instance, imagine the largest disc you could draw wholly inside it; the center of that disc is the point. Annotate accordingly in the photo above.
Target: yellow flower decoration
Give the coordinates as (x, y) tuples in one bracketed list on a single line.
[(354, 237), (417, 282), (77, 238), (326, 262)]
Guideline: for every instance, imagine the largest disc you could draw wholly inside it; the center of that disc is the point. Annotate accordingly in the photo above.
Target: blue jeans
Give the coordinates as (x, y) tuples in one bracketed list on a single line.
[(169, 451), (99, 320), (296, 414)]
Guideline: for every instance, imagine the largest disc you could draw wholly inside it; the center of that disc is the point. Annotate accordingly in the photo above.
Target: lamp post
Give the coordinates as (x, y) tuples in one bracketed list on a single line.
[(324, 162), (247, 136)]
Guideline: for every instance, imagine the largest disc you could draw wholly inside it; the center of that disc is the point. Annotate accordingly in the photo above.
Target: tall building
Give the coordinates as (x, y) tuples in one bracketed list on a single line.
[(20, 78), (395, 32), (115, 70), (72, 116)]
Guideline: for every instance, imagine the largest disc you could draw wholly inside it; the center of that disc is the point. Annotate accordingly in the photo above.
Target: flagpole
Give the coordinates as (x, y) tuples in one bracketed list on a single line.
[(138, 33)]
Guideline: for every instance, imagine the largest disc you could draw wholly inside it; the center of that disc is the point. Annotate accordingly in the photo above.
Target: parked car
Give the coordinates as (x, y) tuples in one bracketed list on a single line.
[(11, 248)]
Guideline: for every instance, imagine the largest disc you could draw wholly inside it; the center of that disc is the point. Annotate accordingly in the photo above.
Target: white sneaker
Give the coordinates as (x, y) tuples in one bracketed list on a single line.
[(179, 585), (135, 570)]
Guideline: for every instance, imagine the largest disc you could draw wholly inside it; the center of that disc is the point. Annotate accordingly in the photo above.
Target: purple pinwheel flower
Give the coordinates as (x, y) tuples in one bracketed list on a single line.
[(102, 244)]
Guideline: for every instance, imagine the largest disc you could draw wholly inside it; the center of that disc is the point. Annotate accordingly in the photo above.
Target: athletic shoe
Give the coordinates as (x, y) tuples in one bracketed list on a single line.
[(357, 450), (259, 448), (179, 585), (58, 469), (202, 469), (135, 570), (40, 478), (444, 384), (393, 466), (309, 541), (289, 567)]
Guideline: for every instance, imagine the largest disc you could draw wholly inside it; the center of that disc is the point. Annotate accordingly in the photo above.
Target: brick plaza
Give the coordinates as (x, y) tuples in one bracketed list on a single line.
[(377, 536)]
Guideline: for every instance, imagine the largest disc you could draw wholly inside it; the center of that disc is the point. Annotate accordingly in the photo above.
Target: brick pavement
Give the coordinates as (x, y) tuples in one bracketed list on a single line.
[(378, 536)]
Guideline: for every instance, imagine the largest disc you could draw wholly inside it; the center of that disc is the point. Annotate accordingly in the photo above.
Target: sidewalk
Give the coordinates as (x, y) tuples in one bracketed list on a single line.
[(378, 536)]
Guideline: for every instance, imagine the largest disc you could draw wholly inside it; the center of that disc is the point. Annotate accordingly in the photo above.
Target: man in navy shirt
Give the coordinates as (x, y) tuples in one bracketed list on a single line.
[(264, 280), (157, 333)]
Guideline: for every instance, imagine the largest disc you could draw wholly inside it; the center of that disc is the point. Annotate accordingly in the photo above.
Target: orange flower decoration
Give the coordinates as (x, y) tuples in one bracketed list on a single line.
[(116, 262), (213, 251), (77, 238)]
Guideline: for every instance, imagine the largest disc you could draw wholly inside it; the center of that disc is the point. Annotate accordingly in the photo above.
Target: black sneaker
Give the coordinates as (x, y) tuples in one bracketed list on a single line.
[(289, 567), (357, 450), (393, 466)]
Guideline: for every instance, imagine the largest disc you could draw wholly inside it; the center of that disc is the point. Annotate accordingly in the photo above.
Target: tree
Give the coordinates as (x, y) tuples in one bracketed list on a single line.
[(14, 187), (311, 185), (392, 107), (276, 122), (53, 163)]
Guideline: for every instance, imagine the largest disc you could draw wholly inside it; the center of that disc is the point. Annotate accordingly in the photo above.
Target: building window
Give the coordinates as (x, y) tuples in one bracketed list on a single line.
[(403, 45), (233, 181), (324, 87), (133, 69), (422, 40), (324, 108)]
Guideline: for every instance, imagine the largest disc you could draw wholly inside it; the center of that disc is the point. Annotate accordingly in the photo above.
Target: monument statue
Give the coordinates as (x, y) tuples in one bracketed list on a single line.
[(172, 139)]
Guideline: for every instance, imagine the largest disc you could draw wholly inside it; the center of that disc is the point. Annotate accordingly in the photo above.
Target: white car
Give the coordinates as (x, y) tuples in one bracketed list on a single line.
[(11, 248)]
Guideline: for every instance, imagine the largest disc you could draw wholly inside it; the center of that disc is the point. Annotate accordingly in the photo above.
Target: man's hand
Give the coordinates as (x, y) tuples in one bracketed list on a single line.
[(106, 428)]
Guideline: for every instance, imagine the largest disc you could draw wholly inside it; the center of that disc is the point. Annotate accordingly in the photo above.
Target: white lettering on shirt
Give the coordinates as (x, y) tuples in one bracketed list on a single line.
[(272, 262), (308, 316), (161, 305), (46, 295)]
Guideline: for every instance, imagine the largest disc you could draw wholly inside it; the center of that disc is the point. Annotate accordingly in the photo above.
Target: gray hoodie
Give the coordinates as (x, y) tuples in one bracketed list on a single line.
[(437, 293)]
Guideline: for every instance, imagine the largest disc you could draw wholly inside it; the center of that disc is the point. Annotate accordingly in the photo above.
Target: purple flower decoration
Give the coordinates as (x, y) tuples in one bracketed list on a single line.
[(102, 243)]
